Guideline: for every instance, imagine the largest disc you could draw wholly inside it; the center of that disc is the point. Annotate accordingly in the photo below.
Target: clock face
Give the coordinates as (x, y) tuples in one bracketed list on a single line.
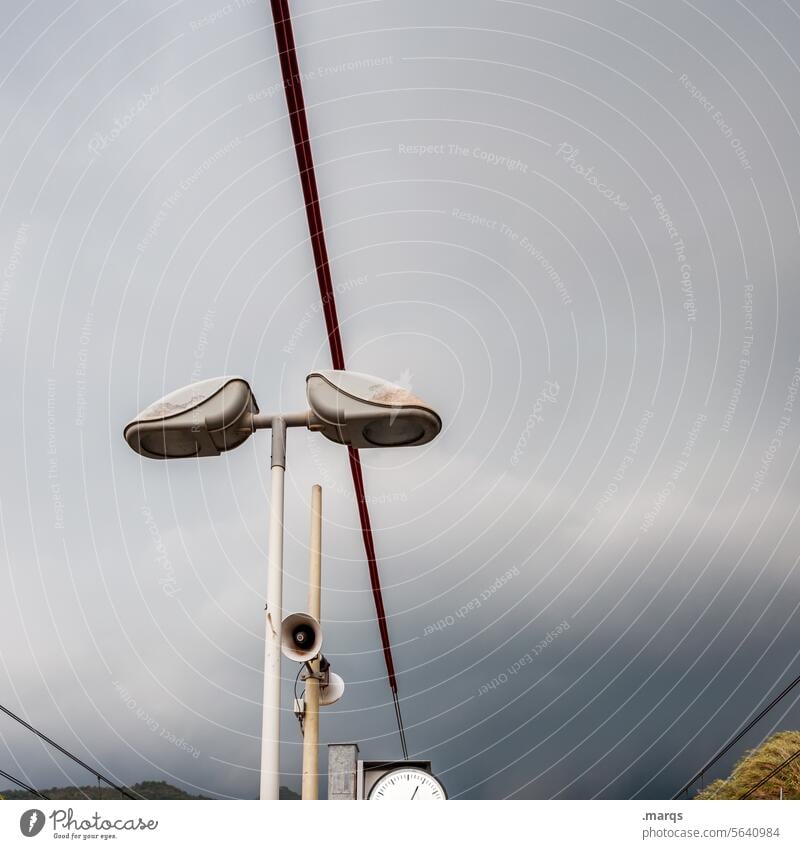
[(409, 783)]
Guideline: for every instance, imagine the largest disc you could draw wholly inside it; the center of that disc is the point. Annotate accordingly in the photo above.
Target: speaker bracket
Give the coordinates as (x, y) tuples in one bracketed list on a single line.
[(307, 672)]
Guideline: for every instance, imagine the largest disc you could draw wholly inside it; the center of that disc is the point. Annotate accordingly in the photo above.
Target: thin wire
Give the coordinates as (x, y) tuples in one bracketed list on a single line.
[(23, 785), (296, 679), (400, 724), (68, 754), (774, 772), (301, 716), (738, 736)]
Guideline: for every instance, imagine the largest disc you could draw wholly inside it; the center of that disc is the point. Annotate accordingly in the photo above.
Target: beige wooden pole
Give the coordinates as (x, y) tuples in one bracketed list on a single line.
[(311, 719)]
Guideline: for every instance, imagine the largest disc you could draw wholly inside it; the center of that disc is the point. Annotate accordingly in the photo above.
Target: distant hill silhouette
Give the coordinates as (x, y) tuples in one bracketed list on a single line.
[(757, 764), (146, 789)]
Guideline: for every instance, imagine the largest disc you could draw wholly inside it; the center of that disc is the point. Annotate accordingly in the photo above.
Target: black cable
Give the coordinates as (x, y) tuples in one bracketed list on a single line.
[(774, 771), (400, 726), (61, 749), (296, 679), (297, 700), (738, 736), (23, 785)]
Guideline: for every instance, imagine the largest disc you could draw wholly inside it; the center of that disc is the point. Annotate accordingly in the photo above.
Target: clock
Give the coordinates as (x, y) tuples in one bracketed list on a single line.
[(408, 783)]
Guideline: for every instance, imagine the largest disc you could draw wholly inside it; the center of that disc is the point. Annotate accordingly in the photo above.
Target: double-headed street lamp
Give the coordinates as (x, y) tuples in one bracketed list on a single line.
[(207, 418)]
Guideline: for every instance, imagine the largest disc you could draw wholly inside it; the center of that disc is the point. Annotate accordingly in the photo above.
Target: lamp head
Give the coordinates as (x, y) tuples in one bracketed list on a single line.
[(199, 420), (367, 412)]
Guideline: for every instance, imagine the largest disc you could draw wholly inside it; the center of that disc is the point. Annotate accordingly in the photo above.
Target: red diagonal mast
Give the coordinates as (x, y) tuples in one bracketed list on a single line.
[(302, 146)]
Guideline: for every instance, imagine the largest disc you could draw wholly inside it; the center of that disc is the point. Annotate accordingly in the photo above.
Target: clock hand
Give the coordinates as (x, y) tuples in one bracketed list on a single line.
[(415, 791)]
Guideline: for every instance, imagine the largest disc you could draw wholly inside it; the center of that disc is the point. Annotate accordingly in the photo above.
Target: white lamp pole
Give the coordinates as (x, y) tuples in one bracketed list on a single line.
[(216, 415), (271, 709)]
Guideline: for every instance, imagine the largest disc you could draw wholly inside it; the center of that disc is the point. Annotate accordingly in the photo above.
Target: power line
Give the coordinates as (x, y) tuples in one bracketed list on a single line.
[(292, 84), (774, 772), (98, 775), (23, 785), (738, 736)]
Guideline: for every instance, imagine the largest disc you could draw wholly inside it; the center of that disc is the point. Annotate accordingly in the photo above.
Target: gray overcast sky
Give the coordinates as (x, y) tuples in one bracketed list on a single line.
[(572, 227)]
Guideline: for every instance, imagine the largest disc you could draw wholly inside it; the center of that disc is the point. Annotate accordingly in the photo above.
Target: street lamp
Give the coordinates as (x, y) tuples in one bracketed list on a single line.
[(367, 412), (216, 415)]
